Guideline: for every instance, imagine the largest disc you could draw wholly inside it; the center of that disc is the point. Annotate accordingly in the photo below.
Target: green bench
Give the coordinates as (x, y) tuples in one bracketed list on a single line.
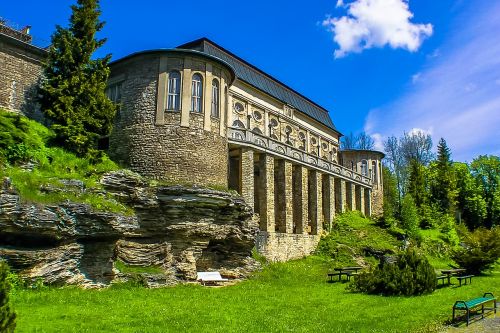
[(464, 277), (475, 305)]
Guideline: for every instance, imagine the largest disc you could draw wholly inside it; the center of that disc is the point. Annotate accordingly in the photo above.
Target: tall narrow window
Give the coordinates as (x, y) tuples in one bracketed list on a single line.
[(196, 93), (215, 98), (364, 168), (174, 91), (374, 172)]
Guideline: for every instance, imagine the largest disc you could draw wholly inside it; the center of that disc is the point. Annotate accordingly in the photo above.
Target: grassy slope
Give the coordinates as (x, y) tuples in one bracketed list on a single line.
[(19, 134), (290, 297), (284, 297)]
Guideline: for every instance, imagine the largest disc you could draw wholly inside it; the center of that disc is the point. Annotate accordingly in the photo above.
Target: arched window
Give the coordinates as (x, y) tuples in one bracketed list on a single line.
[(374, 172), (215, 98), (174, 91), (197, 93), (364, 168), (238, 123)]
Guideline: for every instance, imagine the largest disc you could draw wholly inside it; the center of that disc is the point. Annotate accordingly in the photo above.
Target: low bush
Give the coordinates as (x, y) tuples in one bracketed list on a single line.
[(7, 315), (479, 250), (410, 275)]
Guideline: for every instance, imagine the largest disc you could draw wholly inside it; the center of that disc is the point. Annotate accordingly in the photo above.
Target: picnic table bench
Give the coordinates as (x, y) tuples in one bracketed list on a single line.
[(347, 271), (474, 304), (464, 277), (210, 278)]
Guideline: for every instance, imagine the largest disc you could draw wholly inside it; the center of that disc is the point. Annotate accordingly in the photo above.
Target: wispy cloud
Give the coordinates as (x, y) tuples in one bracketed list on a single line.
[(375, 23), (457, 95)]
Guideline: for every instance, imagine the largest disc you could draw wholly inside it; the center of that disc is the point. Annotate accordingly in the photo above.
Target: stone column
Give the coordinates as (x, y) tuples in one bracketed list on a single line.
[(186, 93), (207, 101), (329, 200), (300, 199), (161, 96), (266, 193), (288, 197), (247, 176), (362, 200), (340, 195)]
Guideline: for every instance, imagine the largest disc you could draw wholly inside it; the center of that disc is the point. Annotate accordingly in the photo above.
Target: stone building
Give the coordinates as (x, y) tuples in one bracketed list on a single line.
[(198, 114), (20, 70)]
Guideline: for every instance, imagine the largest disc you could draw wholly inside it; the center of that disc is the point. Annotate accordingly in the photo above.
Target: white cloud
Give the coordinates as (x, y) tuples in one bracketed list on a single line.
[(456, 96), (376, 23), (416, 77)]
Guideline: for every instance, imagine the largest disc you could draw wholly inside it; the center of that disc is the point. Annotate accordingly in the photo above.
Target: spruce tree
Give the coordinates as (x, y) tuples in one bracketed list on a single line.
[(73, 90), (443, 188), (7, 316), (417, 183)]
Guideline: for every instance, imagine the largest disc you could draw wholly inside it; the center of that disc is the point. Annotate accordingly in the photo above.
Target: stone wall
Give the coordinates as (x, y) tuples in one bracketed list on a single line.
[(20, 71), (163, 149), (282, 247)]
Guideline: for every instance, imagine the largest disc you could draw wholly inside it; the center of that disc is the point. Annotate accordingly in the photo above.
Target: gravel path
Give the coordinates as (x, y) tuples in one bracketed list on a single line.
[(489, 324)]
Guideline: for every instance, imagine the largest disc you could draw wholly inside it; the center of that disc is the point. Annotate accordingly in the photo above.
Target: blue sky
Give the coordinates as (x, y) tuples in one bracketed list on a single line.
[(384, 66)]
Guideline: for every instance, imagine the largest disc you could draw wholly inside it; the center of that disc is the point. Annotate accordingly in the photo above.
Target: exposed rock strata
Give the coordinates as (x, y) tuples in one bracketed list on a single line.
[(182, 230)]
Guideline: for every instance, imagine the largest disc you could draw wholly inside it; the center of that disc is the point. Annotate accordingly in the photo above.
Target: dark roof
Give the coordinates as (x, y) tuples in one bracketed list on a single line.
[(185, 51), (260, 80)]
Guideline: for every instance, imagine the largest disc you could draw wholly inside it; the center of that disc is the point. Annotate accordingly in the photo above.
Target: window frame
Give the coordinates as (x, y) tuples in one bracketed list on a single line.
[(171, 102), (197, 93), (215, 105)]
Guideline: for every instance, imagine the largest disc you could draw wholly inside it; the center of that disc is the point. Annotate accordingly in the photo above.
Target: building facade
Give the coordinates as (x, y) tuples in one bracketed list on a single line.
[(20, 71), (198, 114)]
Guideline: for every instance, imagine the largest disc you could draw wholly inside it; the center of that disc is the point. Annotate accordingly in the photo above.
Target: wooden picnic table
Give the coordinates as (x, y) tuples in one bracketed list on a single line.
[(451, 272), (347, 271)]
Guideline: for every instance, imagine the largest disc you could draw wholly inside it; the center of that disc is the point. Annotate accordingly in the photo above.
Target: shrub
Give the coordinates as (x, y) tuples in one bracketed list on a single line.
[(7, 315), (479, 249), (411, 274), (409, 218)]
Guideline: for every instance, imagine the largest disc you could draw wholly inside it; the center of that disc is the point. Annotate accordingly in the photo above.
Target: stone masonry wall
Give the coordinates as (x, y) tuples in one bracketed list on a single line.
[(186, 155), (20, 71), (282, 247)]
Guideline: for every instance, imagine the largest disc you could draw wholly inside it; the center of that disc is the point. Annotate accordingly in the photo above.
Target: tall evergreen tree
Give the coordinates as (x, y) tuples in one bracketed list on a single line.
[(73, 90), (417, 183), (443, 186), (7, 316)]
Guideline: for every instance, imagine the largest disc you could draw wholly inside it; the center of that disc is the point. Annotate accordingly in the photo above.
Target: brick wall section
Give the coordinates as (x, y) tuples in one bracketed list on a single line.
[(186, 155), (20, 71)]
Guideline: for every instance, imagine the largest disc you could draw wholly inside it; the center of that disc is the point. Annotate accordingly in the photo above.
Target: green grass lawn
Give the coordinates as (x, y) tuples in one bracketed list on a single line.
[(289, 297)]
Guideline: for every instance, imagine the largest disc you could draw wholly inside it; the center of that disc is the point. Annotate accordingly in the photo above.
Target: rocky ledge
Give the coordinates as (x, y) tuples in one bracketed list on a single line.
[(177, 229)]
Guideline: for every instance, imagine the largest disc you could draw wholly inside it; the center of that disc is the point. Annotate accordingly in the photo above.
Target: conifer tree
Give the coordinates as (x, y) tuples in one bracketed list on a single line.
[(7, 316), (73, 90), (443, 188), (417, 183)]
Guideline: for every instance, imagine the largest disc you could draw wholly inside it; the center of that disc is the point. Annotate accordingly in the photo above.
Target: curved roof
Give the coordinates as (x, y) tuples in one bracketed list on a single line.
[(180, 51), (263, 81), (363, 151)]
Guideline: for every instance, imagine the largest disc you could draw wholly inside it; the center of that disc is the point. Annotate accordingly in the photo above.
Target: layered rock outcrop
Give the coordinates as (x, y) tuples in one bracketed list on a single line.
[(178, 229)]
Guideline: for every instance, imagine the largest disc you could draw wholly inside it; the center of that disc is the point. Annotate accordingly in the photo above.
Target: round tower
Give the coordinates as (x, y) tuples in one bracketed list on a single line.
[(171, 123), (368, 163)]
